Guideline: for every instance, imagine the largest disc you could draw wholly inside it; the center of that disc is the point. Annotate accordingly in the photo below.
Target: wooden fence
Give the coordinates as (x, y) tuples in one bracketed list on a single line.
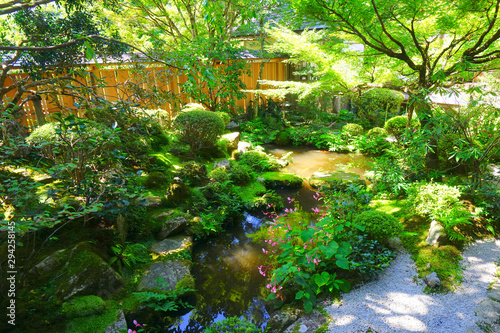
[(113, 78)]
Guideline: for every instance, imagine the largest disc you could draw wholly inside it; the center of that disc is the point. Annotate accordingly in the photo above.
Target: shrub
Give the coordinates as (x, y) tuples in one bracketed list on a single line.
[(397, 125), (352, 129), (377, 105), (378, 225), (241, 174), (193, 107), (259, 161), (193, 173), (233, 325), (369, 257), (218, 175), (374, 145), (226, 118), (199, 129), (377, 132)]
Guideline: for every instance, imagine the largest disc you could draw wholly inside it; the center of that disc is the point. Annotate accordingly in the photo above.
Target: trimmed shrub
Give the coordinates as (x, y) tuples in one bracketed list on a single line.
[(199, 129), (193, 107), (352, 129), (219, 175), (377, 105), (433, 199), (379, 225), (193, 173), (241, 174), (226, 118), (397, 125), (377, 132), (155, 179)]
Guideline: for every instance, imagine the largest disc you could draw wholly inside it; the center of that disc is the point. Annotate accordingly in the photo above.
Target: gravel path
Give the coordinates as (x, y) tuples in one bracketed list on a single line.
[(396, 303)]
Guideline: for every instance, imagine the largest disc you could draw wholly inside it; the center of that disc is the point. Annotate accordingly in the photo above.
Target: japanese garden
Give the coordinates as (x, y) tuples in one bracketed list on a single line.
[(249, 166)]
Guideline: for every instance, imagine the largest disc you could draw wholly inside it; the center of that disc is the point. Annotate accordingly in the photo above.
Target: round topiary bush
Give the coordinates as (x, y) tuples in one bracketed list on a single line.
[(352, 129), (155, 179), (218, 175), (226, 118), (193, 107), (241, 174), (377, 105), (259, 161), (379, 225), (397, 125), (193, 173), (199, 129), (377, 132)]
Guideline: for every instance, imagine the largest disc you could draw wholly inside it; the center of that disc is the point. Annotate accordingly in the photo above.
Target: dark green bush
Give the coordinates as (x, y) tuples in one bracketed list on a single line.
[(351, 130), (233, 325), (218, 175), (193, 173), (377, 105), (226, 118), (241, 174), (199, 129), (379, 225), (259, 161), (397, 125), (369, 256), (374, 146)]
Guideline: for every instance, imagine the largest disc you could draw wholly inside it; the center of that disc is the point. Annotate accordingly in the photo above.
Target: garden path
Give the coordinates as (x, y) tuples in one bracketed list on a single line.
[(395, 302)]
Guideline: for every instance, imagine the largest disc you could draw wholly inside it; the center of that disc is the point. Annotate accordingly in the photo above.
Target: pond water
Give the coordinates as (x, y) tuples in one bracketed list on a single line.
[(225, 268)]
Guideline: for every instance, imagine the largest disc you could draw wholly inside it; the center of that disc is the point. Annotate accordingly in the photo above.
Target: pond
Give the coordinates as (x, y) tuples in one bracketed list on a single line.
[(225, 267)]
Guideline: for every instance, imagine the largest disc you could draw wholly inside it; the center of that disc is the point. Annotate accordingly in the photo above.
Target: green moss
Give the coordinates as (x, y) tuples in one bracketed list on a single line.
[(186, 282), (251, 192), (95, 323), (83, 306), (278, 179), (393, 207)]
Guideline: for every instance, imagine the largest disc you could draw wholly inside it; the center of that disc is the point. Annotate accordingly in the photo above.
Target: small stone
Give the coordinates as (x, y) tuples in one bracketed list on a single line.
[(150, 202), (224, 164), (432, 280), (233, 138), (488, 311), (243, 147), (395, 243)]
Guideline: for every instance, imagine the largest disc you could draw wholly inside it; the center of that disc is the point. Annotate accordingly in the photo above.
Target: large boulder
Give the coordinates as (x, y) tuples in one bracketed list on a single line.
[(171, 225), (166, 276), (172, 245), (120, 325), (149, 202), (437, 234), (233, 139), (334, 180), (282, 319), (78, 271)]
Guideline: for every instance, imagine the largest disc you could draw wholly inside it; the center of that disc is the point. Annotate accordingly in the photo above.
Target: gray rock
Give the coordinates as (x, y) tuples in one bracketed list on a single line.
[(488, 312), (119, 325), (172, 245), (233, 125), (49, 263), (149, 202), (164, 275), (224, 164), (233, 138), (437, 235), (282, 319), (173, 226), (309, 323), (243, 147), (432, 280)]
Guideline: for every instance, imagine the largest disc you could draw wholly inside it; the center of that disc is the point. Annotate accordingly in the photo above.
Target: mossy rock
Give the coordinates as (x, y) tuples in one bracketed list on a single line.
[(83, 306), (85, 273), (177, 194), (164, 275), (280, 180), (172, 245), (335, 180), (251, 193)]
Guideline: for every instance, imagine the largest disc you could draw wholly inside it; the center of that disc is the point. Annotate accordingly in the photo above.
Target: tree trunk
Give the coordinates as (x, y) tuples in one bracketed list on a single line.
[(424, 112)]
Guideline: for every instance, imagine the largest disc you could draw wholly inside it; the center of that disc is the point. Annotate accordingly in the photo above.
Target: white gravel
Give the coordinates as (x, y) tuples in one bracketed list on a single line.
[(395, 302)]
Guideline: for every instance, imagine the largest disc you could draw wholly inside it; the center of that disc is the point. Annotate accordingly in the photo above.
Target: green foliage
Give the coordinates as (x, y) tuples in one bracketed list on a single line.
[(260, 130), (193, 173), (241, 174), (378, 225), (259, 161), (377, 105), (129, 255), (374, 146), (83, 306), (233, 325), (193, 107), (351, 130), (377, 132), (442, 203), (369, 256), (159, 300), (200, 129), (396, 126)]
